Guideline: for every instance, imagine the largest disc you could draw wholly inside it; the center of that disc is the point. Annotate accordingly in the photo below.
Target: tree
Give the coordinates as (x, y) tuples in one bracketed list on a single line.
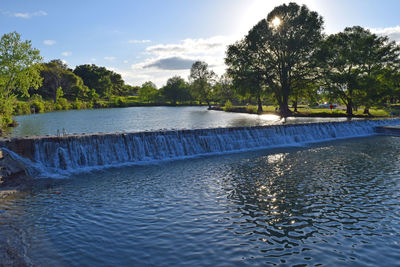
[(176, 89), (148, 92), (280, 51), (354, 60), (56, 74), (19, 65), (73, 86), (248, 73), (224, 90), (201, 78), (19, 71), (105, 82)]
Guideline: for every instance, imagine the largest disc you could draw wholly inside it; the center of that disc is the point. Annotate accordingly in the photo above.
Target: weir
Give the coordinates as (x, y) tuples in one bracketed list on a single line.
[(54, 155)]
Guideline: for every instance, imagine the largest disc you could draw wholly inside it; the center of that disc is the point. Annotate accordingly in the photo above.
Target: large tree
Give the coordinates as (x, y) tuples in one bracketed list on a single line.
[(354, 62), (176, 89), (148, 92), (201, 81), (280, 50), (19, 71), (248, 73), (19, 65), (56, 74), (104, 81)]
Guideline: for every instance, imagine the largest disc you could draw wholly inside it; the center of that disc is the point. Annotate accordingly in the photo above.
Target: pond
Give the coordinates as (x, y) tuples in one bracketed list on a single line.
[(137, 119)]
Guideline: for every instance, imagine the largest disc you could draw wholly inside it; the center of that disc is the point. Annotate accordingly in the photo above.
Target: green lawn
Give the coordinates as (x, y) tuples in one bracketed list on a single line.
[(307, 111)]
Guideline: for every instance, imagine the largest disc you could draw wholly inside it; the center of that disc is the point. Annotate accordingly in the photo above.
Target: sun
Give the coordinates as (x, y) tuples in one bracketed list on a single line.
[(276, 22)]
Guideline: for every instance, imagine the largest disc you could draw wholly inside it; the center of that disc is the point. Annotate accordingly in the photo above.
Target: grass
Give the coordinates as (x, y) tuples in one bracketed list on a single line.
[(309, 112)]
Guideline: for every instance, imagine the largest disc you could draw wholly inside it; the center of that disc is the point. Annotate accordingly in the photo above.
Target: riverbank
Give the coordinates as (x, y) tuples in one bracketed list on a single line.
[(306, 112)]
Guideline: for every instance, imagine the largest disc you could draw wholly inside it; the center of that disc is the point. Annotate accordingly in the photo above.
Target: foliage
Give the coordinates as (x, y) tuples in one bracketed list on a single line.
[(148, 92), (105, 82), (354, 62), (201, 81), (175, 90), (19, 71), (277, 55), (56, 74), (228, 105)]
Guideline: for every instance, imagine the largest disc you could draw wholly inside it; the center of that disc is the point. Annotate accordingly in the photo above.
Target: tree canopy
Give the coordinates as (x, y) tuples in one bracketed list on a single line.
[(201, 78), (278, 51), (19, 71), (19, 65), (353, 62)]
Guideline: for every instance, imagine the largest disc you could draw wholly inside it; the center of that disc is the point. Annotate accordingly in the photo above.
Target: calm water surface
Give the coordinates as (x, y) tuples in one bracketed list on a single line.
[(334, 203), (136, 119)]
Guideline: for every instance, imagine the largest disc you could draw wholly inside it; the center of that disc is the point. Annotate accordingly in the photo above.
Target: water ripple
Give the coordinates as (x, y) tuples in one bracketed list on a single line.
[(331, 204)]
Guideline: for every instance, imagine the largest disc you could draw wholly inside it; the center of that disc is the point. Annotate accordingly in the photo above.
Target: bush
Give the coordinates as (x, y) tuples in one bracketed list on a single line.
[(49, 106), (251, 109), (37, 104), (6, 111), (228, 106), (120, 102), (63, 102), (22, 108)]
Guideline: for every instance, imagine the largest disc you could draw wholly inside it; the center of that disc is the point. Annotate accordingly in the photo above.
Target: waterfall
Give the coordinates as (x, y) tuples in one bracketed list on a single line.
[(78, 153)]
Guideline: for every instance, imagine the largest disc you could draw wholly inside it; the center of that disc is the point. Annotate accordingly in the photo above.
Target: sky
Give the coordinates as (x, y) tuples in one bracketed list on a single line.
[(153, 40)]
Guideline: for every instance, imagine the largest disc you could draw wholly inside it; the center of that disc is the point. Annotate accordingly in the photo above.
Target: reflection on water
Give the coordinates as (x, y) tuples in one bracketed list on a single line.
[(142, 119), (332, 204)]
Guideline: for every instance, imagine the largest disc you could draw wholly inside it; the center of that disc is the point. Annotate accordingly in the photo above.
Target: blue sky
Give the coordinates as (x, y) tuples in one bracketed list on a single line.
[(154, 40)]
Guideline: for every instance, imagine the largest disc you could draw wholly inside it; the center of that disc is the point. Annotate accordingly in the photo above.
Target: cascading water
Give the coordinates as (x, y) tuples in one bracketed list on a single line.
[(78, 153)]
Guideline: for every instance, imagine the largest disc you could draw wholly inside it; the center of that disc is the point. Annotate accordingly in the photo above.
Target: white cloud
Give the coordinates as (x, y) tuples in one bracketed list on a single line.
[(392, 32), (126, 61), (24, 15), (49, 42), (191, 46), (66, 54), (139, 41), (162, 61), (109, 58)]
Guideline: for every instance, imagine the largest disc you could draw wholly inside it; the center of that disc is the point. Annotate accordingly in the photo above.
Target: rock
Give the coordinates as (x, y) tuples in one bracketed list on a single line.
[(12, 174)]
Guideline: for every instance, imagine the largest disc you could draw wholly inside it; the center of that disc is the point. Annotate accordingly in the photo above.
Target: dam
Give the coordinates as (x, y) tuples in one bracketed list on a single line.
[(64, 155), (308, 193)]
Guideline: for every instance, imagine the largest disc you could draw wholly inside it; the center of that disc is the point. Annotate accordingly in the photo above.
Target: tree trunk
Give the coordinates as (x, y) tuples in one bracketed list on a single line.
[(209, 104), (284, 106), (349, 108), (294, 105), (259, 104), (366, 111)]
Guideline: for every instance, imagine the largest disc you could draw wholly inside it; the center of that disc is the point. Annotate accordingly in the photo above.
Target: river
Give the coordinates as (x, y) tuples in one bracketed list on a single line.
[(327, 203), (136, 119)]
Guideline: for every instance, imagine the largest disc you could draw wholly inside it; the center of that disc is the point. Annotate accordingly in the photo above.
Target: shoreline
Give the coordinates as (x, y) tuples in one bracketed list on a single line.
[(299, 114)]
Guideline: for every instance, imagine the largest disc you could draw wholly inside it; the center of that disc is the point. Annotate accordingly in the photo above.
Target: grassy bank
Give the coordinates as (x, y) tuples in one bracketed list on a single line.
[(304, 111)]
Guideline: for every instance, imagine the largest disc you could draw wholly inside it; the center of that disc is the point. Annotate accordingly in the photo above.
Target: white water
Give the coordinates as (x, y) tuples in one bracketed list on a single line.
[(71, 154)]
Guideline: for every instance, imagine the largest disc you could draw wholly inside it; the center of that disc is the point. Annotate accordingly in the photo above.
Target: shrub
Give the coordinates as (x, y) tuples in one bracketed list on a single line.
[(22, 108), (37, 104), (228, 105), (120, 102), (63, 102)]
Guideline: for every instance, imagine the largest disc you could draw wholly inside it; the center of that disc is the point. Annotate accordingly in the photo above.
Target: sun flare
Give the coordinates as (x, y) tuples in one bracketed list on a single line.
[(276, 22)]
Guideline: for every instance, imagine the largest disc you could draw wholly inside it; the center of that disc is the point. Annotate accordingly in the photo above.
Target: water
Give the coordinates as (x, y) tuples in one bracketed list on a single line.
[(334, 203), (136, 119), (296, 202)]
